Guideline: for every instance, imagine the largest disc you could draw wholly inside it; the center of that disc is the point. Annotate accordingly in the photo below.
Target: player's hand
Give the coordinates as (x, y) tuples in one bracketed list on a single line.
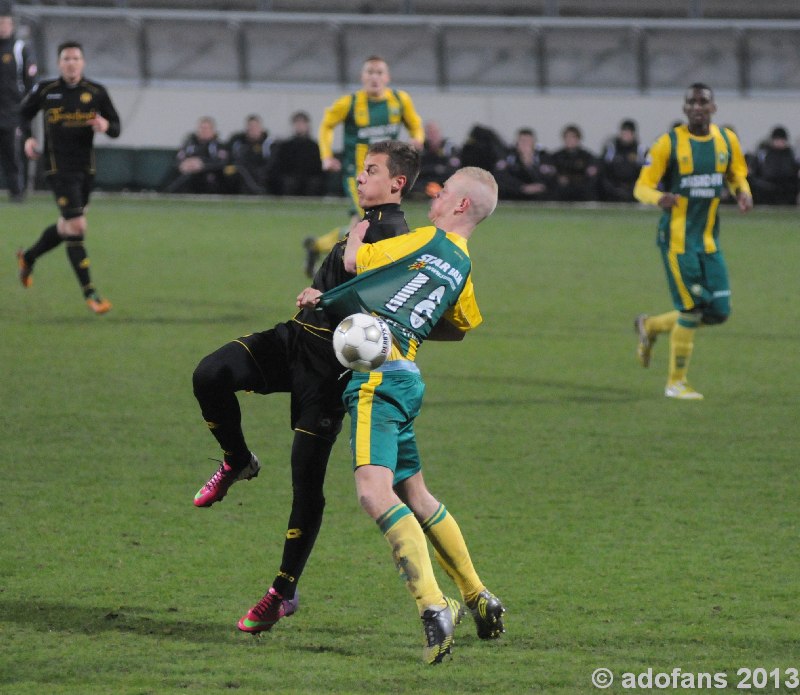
[(98, 124), (360, 230), (331, 164), (668, 201), (32, 150), (308, 298), (191, 165), (745, 201)]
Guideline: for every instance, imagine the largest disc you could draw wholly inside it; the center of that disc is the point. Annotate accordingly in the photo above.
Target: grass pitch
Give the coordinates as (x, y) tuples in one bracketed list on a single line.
[(622, 530)]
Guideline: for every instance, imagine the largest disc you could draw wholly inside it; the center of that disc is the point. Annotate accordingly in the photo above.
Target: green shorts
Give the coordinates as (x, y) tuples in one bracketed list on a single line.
[(698, 280), (382, 407)]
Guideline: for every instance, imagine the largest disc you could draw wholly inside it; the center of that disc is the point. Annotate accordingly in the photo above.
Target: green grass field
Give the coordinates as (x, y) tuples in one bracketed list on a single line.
[(622, 530)]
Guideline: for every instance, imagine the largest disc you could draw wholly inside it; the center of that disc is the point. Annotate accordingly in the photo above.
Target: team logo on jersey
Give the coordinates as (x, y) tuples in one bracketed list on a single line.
[(417, 265), (6, 58), (723, 158), (62, 201), (86, 97)]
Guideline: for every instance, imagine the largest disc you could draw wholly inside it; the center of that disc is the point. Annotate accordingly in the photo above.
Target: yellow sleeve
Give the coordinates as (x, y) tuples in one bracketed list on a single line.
[(371, 256), (646, 188), (465, 314), (333, 116), (411, 119), (737, 172)]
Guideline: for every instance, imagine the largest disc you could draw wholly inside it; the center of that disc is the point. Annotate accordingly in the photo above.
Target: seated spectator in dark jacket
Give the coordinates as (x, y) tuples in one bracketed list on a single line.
[(200, 161), (576, 168), (439, 159), (249, 153), (526, 173), (774, 171), (623, 157), (483, 148), (297, 167)]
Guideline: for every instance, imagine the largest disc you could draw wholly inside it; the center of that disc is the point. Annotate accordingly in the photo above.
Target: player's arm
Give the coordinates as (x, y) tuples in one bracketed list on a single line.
[(736, 177), (463, 316), (412, 120), (31, 103), (30, 69), (333, 116), (355, 240), (107, 119), (446, 331), (646, 188)]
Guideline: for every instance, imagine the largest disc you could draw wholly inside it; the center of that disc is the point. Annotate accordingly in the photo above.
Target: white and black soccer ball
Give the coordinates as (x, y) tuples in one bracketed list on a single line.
[(362, 342)]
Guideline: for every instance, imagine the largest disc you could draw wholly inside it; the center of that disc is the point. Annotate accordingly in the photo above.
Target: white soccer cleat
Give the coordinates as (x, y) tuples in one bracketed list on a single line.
[(682, 391)]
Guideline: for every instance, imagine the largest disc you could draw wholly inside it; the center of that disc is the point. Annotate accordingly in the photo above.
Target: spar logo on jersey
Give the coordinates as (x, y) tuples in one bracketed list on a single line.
[(86, 97), (417, 265)]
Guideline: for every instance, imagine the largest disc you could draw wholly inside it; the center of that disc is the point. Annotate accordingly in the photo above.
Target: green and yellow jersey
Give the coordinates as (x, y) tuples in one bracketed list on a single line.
[(367, 121), (696, 168), (412, 281)]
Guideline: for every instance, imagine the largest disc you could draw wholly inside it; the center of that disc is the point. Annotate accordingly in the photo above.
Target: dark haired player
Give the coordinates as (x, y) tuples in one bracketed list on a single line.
[(73, 110), (297, 357), (693, 163)]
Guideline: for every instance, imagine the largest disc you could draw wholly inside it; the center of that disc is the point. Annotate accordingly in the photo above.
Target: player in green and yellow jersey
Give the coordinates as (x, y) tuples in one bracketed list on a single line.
[(685, 174), (421, 284), (373, 113)]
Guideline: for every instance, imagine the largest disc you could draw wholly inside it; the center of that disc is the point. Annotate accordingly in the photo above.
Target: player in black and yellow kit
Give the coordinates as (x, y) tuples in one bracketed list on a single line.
[(296, 356), (73, 109), (373, 113), (17, 76), (685, 173)]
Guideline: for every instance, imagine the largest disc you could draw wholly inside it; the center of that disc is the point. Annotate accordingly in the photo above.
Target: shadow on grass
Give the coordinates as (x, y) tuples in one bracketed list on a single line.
[(45, 616)]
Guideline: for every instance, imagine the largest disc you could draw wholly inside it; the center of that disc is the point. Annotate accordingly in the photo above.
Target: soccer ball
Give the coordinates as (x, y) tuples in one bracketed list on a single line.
[(362, 342)]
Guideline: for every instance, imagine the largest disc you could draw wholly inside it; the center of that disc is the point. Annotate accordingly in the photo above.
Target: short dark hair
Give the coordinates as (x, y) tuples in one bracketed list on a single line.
[(402, 160), (526, 131), (69, 44), (701, 86), (300, 116), (574, 129)]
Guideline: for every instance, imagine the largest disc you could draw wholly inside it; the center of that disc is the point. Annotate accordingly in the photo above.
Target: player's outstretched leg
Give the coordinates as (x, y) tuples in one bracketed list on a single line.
[(220, 482), (25, 270), (644, 348), (487, 611), (438, 624), (268, 611)]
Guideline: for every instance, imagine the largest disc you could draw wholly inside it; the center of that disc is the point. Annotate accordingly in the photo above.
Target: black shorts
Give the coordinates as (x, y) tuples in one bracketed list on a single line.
[(292, 360), (72, 190)]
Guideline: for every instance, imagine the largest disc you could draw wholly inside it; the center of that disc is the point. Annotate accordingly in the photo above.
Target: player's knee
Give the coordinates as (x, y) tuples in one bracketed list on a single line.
[(74, 227), (210, 375), (715, 318)]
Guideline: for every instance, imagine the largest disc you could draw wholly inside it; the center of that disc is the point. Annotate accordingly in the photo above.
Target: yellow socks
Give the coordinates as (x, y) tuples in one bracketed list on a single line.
[(327, 241), (410, 552), (681, 344), (452, 554), (663, 323)]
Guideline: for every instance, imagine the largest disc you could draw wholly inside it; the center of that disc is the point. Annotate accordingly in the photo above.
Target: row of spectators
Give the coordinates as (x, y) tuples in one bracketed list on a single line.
[(251, 162), (526, 171)]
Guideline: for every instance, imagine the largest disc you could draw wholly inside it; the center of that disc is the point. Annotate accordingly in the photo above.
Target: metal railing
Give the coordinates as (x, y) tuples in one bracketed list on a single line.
[(542, 54)]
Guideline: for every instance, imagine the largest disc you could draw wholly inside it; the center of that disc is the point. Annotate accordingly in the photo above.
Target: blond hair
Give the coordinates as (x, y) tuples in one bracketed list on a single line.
[(481, 188)]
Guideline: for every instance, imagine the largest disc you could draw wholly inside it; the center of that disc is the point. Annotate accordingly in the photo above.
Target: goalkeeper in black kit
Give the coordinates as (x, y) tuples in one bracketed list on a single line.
[(73, 110)]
